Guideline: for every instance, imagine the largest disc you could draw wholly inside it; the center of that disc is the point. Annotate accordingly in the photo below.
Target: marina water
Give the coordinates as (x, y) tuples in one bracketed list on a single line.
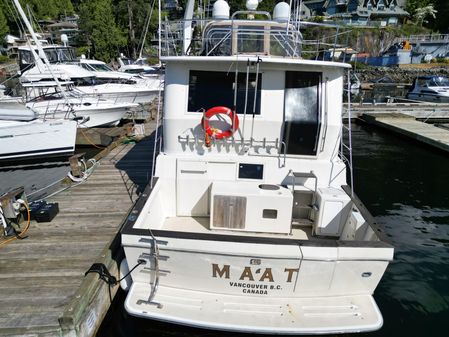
[(405, 186)]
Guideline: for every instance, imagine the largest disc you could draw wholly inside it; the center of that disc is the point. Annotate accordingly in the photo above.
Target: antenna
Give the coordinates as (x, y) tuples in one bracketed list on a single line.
[(64, 40)]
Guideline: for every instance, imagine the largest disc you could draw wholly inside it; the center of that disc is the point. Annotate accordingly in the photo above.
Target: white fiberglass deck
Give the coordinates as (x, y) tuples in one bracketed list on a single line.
[(312, 315), (300, 230)]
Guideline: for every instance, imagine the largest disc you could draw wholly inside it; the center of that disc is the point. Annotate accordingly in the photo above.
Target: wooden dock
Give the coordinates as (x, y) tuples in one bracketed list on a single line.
[(408, 126), (421, 110), (43, 290)]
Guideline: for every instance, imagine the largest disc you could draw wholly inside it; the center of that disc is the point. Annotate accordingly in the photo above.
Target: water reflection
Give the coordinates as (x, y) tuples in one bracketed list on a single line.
[(404, 186), (38, 180)]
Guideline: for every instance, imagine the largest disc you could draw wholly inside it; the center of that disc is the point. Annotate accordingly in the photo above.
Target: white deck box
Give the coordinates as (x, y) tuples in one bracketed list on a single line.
[(251, 207), (333, 210)]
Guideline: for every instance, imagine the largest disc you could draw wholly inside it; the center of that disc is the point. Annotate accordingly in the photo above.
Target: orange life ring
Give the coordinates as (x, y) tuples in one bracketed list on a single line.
[(219, 134)]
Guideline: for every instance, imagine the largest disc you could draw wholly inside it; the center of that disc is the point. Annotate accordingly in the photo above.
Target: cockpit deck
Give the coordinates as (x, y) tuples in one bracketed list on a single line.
[(301, 229)]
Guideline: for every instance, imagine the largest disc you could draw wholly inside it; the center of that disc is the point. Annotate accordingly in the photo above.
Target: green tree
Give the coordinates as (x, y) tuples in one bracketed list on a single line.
[(422, 13), (98, 23), (42, 9), (4, 29), (412, 5), (131, 17), (442, 22), (64, 7)]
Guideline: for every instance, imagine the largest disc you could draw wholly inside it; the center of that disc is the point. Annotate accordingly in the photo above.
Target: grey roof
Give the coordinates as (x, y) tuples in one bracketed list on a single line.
[(63, 24)]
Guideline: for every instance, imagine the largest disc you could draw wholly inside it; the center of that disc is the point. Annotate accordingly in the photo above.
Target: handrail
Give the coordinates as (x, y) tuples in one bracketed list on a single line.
[(288, 42)]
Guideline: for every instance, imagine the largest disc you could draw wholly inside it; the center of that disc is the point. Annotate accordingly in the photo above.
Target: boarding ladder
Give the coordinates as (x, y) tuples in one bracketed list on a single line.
[(154, 248)]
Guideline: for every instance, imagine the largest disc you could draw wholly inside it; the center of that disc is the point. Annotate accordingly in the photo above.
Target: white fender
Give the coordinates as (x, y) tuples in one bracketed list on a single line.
[(125, 284)]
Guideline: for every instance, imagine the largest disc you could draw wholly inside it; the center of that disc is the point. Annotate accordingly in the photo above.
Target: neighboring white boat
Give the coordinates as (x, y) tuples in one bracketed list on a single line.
[(24, 137), (91, 77), (46, 98), (138, 67), (248, 224), (430, 89)]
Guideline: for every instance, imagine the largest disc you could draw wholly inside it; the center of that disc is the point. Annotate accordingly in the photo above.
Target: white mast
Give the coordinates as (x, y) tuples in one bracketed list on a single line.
[(188, 26), (38, 44), (159, 33)]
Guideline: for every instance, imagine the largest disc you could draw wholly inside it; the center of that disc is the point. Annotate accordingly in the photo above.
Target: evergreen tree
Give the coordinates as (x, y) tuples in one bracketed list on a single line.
[(64, 7), (98, 24), (131, 16), (42, 9), (442, 20), (4, 29)]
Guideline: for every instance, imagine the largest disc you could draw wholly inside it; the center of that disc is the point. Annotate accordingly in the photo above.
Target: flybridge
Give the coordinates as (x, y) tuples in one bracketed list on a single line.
[(54, 54), (251, 32)]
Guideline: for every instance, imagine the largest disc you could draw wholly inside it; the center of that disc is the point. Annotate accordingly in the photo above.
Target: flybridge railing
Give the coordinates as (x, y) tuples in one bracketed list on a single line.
[(306, 40)]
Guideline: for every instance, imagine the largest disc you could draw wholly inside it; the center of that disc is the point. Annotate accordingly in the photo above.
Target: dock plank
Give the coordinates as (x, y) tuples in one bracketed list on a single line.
[(44, 290), (409, 127)]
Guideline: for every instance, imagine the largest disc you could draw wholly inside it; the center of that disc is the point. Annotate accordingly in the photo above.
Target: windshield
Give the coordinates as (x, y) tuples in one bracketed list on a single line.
[(100, 67), (439, 82), (60, 54)]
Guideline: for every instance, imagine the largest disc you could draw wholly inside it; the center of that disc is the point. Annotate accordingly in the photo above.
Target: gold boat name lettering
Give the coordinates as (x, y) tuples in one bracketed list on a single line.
[(249, 274)]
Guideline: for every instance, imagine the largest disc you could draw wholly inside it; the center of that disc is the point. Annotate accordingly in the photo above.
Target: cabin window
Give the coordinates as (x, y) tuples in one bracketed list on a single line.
[(208, 89), (84, 81), (301, 113)]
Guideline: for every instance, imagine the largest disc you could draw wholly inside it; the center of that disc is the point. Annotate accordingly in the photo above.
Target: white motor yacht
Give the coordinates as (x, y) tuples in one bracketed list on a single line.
[(91, 77), (25, 137), (430, 89), (249, 224), (50, 102), (138, 67), (145, 88)]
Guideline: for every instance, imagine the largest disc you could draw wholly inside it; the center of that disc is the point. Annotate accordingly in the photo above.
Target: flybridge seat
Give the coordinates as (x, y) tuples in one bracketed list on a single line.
[(255, 314)]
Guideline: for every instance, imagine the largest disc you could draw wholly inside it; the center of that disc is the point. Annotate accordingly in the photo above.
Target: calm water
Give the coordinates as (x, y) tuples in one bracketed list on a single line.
[(405, 186), (39, 179)]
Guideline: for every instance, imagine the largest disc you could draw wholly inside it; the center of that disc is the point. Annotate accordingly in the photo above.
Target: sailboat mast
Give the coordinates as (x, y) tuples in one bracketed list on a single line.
[(159, 32), (147, 26), (38, 44), (132, 35)]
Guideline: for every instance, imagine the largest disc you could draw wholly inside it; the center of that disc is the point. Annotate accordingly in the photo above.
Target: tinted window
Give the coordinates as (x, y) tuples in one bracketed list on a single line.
[(301, 112), (208, 89)]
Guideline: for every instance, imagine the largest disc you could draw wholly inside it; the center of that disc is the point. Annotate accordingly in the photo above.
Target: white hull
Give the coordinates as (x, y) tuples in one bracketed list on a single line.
[(33, 139), (124, 96), (236, 281), (249, 225), (296, 316), (225, 283), (433, 89), (428, 97), (88, 114)]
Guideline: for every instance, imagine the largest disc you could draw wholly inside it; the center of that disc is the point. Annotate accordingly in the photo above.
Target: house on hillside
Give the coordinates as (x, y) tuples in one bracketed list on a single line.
[(68, 28), (360, 12)]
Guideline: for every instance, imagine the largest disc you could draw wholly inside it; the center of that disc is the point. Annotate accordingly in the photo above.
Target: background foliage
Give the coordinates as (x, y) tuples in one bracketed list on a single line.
[(106, 23)]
